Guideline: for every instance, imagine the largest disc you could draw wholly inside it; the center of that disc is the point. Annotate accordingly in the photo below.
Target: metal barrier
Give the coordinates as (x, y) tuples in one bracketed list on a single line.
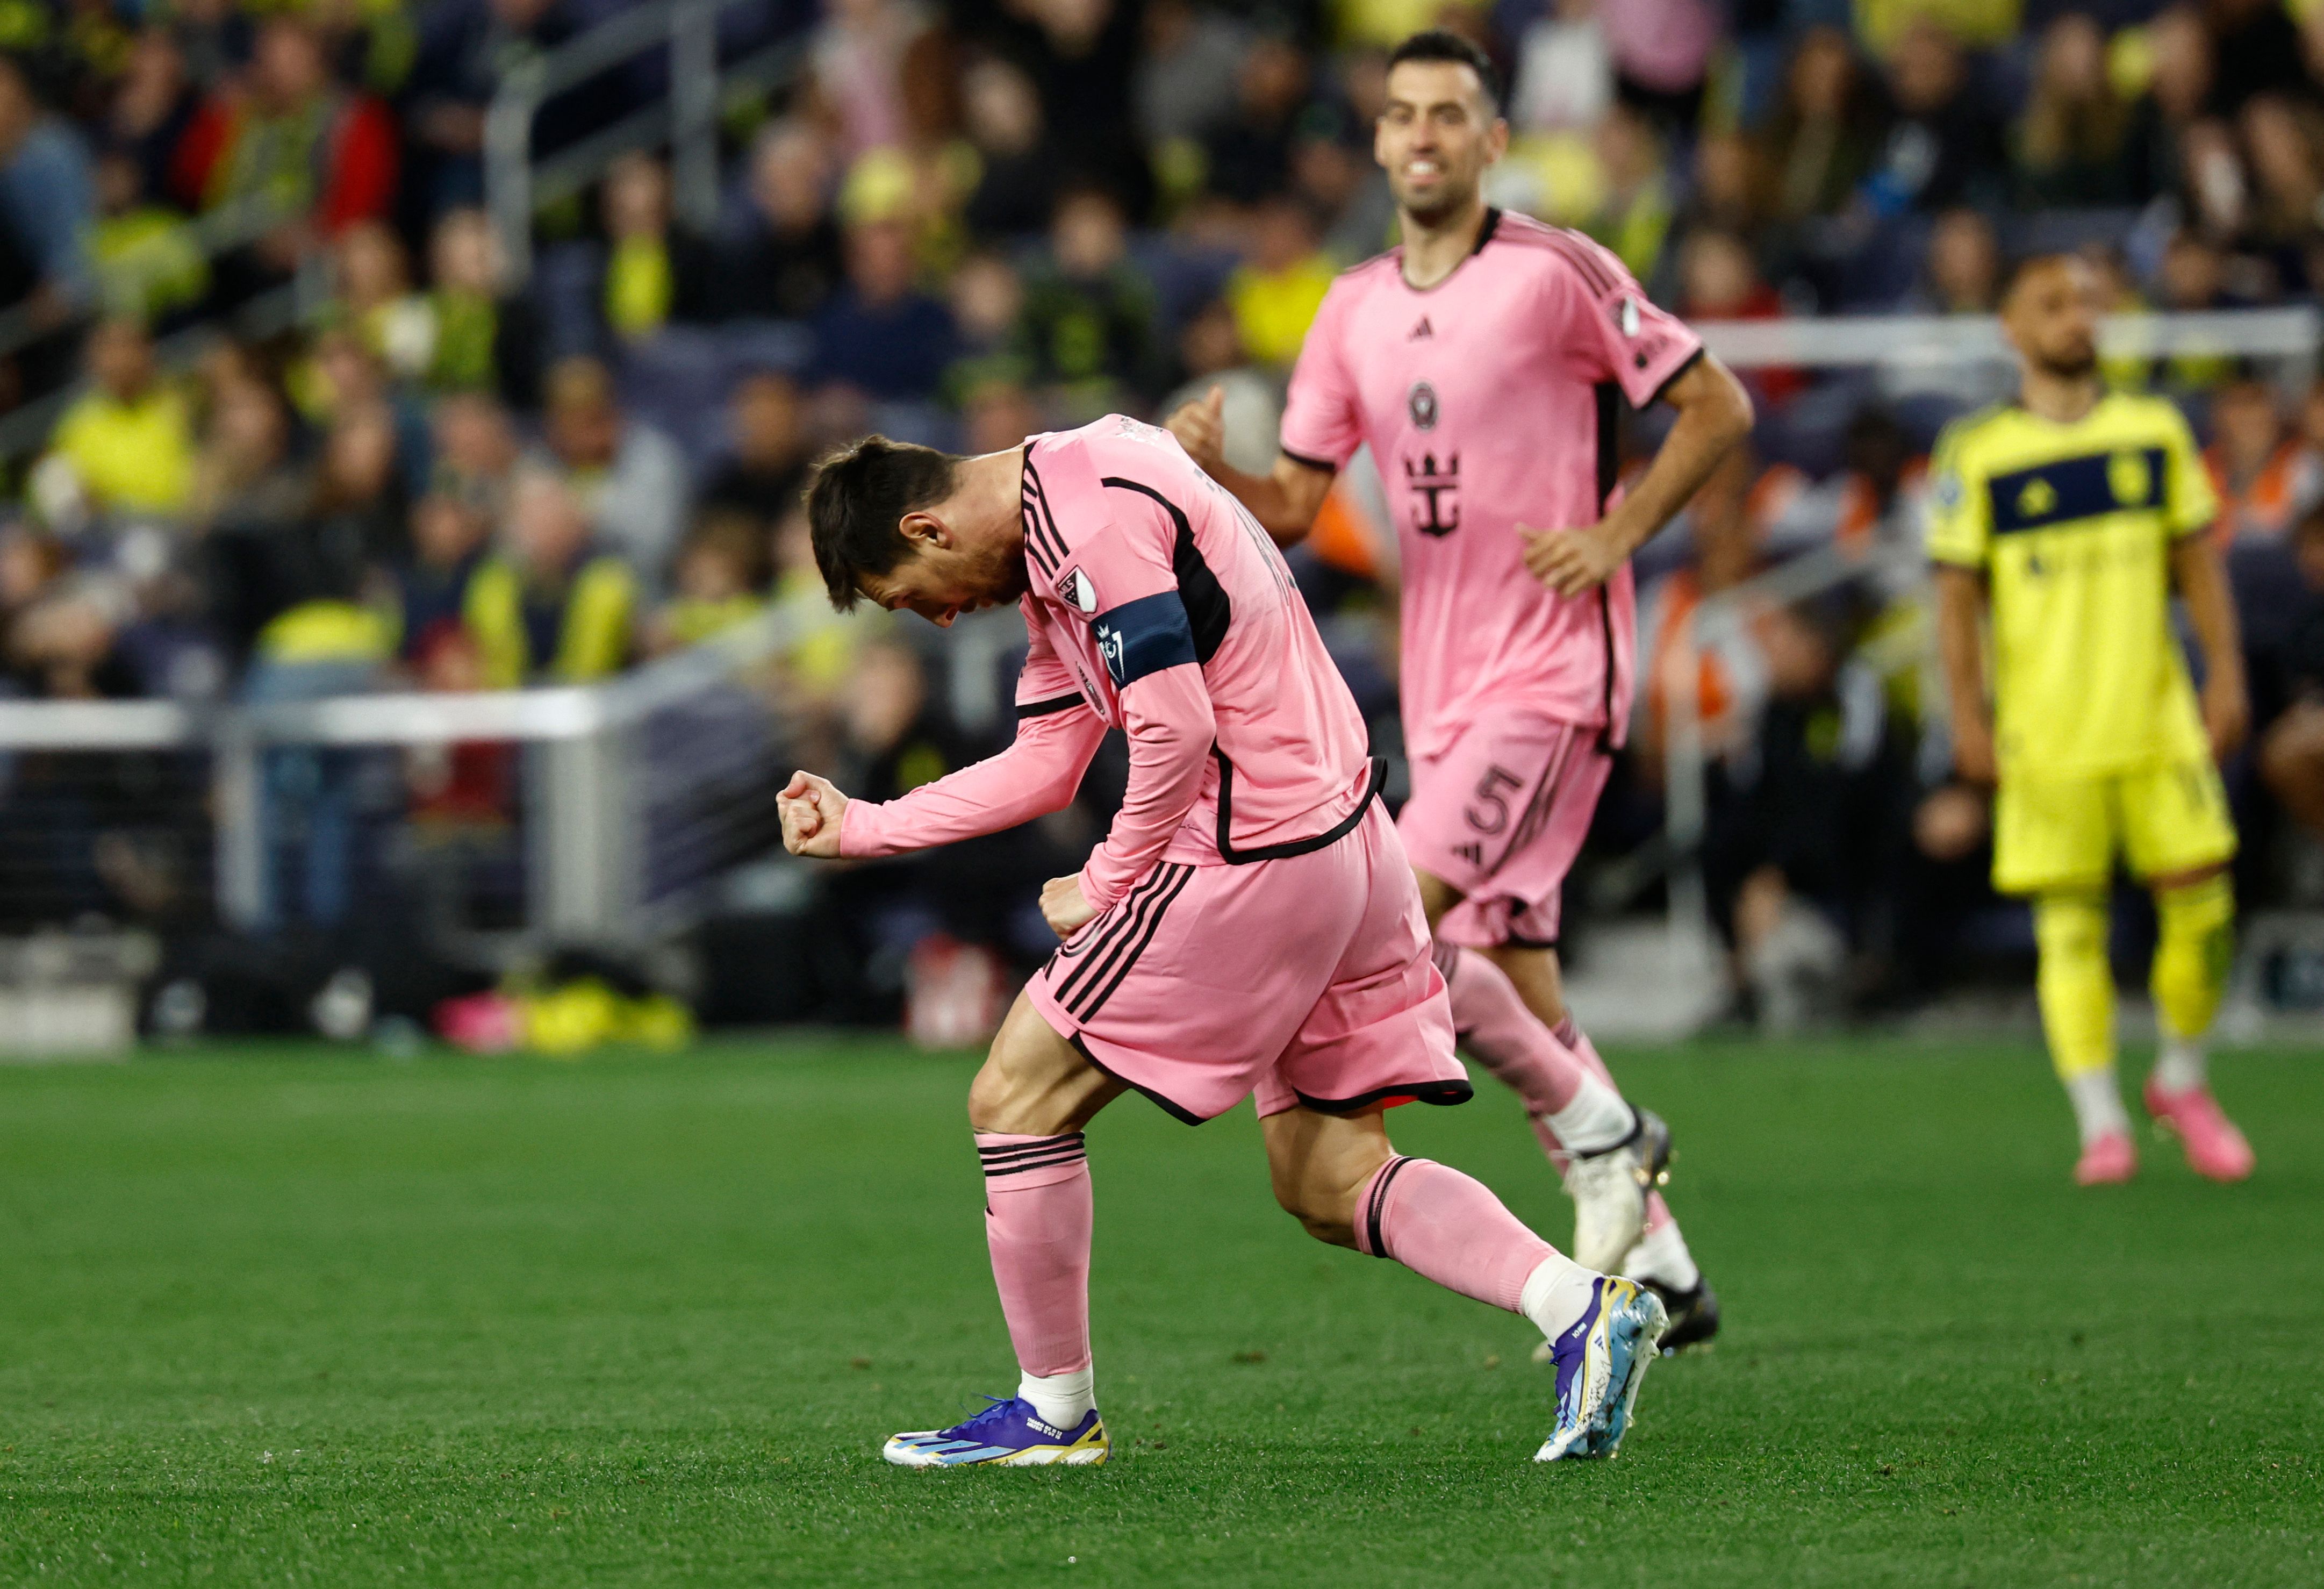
[(634, 796), (1843, 340), (216, 232), (516, 188)]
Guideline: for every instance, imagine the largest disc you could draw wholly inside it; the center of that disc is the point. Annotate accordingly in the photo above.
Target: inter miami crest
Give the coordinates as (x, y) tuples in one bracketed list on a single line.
[(1422, 403)]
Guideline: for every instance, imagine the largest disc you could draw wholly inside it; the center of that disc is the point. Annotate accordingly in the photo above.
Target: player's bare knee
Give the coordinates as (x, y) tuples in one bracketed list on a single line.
[(2167, 882), (1033, 1082)]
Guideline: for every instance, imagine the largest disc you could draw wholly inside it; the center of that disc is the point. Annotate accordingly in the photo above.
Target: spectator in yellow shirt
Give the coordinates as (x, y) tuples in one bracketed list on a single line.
[(1276, 293), (551, 608), (130, 441)]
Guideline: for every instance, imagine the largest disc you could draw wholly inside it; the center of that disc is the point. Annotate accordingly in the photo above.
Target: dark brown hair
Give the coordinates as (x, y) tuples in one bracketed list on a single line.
[(855, 505), (1444, 44)]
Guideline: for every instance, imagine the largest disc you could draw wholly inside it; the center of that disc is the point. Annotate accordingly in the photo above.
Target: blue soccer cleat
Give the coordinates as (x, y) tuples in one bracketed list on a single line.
[(1601, 1359), (1007, 1434)]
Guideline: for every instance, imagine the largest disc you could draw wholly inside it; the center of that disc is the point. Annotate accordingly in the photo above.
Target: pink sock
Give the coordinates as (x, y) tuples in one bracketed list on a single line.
[(1577, 1042), (1036, 1220), (1658, 1214), (1438, 1223), (1508, 1040)]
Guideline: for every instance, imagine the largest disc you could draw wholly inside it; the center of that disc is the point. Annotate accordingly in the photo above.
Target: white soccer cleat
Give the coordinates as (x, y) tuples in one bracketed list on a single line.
[(1609, 1189)]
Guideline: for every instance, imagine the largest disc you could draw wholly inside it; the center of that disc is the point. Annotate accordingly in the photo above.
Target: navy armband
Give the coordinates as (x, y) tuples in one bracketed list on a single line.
[(1144, 636)]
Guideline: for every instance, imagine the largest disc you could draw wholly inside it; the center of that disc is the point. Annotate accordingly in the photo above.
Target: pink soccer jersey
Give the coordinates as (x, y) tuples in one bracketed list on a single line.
[(1488, 403), (1158, 606)]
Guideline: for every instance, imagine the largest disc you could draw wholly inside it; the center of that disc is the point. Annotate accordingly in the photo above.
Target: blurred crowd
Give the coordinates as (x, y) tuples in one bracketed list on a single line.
[(964, 222)]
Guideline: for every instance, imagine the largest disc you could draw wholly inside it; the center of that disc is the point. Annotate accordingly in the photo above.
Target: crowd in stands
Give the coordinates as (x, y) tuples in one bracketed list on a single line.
[(963, 221)]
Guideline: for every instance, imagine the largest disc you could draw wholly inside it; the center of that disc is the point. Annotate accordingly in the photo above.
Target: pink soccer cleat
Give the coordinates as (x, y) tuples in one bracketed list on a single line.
[(2216, 1149), (2107, 1162)]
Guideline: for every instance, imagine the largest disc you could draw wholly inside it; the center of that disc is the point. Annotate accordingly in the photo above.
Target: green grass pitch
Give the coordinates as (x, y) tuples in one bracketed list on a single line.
[(274, 1316)]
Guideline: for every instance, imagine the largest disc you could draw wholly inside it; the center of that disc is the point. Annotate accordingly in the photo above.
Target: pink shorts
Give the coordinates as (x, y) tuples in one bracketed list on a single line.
[(1304, 980), (1500, 817)]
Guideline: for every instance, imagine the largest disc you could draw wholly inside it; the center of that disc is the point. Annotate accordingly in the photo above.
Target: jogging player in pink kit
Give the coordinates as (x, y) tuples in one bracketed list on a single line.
[(1250, 924), (1483, 362)]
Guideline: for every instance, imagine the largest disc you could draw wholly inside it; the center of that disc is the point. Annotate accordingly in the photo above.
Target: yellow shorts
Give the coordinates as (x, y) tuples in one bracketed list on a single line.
[(2054, 834)]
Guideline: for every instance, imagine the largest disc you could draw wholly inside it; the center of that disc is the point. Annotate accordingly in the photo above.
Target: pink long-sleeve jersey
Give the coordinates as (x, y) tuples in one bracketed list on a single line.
[(1160, 607)]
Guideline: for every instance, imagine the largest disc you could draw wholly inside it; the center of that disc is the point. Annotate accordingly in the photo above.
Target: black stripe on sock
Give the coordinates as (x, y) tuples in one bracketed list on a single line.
[(1376, 1205), (1074, 1156), (1002, 1152)]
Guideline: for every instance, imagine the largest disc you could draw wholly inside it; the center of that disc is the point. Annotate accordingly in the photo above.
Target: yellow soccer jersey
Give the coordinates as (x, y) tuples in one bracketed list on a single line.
[(2072, 525)]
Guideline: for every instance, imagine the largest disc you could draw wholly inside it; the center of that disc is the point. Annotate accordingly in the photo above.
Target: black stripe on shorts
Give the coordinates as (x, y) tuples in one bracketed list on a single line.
[(1162, 903), (1120, 924)]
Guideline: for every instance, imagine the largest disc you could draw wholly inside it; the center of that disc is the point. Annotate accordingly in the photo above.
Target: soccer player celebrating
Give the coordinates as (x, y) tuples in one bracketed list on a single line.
[(1249, 925), (2071, 515), (1482, 361)]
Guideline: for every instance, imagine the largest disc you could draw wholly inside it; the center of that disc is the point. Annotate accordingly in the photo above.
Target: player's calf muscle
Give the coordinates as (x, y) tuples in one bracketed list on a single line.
[(1319, 1163), (1535, 975), (1035, 1083)]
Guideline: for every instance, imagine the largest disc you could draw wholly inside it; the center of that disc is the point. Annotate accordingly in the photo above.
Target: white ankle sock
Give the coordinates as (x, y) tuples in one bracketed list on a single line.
[(2179, 1064), (1556, 1294), (1063, 1400), (2097, 1104), (1593, 1120), (1662, 1255)]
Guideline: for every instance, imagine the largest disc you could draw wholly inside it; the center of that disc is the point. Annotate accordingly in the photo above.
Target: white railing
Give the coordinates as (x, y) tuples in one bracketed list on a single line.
[(516, 187), (585, 843), (1966, 340)]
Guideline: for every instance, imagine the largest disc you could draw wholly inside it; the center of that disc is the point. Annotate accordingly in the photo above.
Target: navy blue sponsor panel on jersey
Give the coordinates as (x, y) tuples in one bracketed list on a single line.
[(2120, 480), (1144, 636)]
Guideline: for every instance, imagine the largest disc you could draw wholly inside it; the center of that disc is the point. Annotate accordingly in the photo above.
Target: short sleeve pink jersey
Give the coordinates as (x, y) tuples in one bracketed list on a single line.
[(1157, 606), (1488, 401)]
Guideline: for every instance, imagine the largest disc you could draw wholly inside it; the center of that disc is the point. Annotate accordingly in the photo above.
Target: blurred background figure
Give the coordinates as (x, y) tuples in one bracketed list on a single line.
[(550, 605), (628, 477)]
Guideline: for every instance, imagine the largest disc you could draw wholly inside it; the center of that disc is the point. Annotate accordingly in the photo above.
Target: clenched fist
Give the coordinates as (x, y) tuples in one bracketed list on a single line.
[(1063, 906), (811, 808)]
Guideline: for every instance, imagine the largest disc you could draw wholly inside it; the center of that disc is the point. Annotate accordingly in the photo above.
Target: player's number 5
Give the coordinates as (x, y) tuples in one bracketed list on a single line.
[(1490, 814)]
